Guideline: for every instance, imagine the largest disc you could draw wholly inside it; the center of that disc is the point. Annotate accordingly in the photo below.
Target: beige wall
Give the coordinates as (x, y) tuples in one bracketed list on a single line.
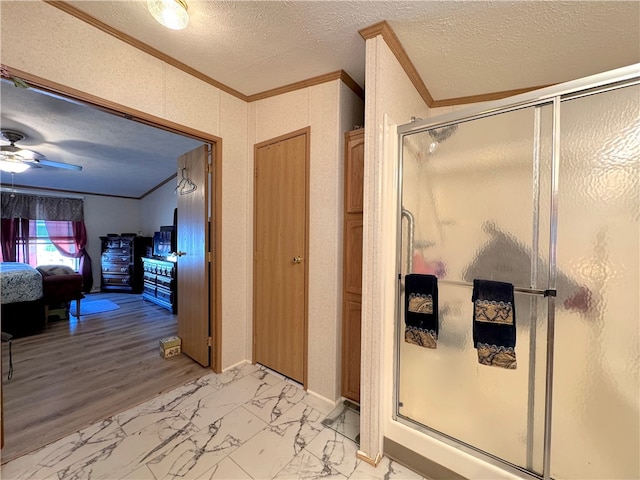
[(156, 209), (391, 99), (108, 215), (76, 55), (236, 237)]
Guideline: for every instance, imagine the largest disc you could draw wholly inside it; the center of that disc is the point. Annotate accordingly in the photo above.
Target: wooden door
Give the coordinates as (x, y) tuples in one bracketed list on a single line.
[(352, 264), (280, 255), (193, 246)]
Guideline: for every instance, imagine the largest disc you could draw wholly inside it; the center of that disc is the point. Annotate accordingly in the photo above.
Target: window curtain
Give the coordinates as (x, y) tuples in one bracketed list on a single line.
[(37, 207), (10, 230), (18, 209), (58, 230)]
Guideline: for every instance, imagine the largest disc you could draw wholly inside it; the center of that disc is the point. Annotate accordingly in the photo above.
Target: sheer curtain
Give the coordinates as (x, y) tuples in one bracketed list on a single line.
[(59, 234)]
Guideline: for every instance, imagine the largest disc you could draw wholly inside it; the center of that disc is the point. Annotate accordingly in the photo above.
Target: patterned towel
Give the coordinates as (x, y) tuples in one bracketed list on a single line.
[(421, 310), (494, 323)]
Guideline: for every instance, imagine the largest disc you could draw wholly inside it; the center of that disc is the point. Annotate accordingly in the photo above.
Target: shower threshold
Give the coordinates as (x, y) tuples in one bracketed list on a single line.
[(345, 420)]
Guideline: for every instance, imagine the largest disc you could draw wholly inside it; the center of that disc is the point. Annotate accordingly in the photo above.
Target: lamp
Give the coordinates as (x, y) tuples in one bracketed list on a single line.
[(13, 166), (170, 13)]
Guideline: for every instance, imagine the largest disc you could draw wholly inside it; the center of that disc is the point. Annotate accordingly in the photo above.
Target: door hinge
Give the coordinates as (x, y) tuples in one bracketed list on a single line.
[(210, 168), (209, 257), (209, 342)]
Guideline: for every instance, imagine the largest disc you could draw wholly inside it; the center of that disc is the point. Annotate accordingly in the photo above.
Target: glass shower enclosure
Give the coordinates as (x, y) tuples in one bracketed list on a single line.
[(543, 193)]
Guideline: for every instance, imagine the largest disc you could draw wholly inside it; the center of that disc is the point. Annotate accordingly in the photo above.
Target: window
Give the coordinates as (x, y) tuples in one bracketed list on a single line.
[(44, 243)]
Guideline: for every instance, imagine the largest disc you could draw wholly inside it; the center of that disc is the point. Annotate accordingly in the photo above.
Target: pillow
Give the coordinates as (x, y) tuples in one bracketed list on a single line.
[(47, 270)]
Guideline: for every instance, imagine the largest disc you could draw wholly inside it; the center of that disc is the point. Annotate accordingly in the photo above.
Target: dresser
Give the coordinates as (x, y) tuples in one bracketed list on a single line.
[(160, 283), (121, 263)]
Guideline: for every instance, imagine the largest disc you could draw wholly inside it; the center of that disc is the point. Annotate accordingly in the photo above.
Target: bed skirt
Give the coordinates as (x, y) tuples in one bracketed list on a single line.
[(21, 319)]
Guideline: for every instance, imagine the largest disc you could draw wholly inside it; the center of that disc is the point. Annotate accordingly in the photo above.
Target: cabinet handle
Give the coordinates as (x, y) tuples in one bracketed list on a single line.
[(181, 254)]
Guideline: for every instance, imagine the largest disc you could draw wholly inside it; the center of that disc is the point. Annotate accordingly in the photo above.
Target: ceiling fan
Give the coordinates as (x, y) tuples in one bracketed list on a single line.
[(16, 160)]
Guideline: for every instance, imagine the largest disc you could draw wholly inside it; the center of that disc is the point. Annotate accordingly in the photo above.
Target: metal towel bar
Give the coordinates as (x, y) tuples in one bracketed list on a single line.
[(528, 291)]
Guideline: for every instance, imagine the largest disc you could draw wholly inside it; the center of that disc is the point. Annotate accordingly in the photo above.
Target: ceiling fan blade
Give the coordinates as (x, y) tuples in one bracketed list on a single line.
[(51, 163), (28, 155)]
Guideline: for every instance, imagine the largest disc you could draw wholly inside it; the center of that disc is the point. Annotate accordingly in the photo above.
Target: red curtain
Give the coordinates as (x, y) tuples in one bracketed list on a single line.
[(10, 230), (8, 236), (59, 235)]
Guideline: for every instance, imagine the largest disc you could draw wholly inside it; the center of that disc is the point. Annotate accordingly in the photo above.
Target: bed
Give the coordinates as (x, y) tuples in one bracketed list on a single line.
[(21, 299)]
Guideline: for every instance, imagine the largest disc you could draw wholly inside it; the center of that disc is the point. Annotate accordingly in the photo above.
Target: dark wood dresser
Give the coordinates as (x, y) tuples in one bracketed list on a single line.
[(121, 262), (160, 283)]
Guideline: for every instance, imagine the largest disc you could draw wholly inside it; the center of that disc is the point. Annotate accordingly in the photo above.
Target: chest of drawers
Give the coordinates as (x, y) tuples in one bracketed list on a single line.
[(160, 283), (121, 262)]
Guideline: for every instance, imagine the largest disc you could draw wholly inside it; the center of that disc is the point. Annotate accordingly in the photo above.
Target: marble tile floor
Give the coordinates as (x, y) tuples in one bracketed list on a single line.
[(246, 423), (345, 419)]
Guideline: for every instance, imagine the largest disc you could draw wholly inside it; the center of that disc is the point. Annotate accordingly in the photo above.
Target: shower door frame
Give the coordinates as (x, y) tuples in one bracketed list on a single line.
[(555, 95)]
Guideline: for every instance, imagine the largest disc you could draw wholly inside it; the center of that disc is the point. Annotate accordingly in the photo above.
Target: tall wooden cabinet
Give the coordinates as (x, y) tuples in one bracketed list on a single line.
[(352, 263), (121, 262)]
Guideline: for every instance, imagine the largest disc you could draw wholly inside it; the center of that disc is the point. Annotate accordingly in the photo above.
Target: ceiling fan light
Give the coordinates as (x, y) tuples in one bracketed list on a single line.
[(13, 167), (170, 13), (28, 155)]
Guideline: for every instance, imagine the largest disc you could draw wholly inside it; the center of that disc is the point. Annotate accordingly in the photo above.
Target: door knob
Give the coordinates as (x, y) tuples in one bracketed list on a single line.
[(180, 254), (297, 259)]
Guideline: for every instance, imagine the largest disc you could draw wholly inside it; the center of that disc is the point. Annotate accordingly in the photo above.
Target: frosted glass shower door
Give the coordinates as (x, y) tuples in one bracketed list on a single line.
[(475, 199), (596, 420)]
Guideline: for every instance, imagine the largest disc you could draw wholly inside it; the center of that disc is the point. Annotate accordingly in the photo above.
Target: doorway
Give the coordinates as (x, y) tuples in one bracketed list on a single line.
[(281, 266), (213, 224), (211, 268)]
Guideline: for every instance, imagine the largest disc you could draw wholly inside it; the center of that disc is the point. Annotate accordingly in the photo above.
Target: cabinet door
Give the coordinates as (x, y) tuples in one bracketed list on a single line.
[(351, 318), (353, 255), (354, 176), (352, 265)]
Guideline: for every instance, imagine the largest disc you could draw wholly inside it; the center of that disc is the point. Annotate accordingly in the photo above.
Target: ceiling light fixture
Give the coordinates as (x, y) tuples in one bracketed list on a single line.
[(170, 13), (12, 158), (13, 166)]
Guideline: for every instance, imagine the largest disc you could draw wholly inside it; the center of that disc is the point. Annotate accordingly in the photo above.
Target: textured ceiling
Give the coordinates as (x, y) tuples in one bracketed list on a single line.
[(458, 48), (118, 156)]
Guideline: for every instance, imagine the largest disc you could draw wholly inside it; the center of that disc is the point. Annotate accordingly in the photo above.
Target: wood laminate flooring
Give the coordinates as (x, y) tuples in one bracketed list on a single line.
[(79, 372)]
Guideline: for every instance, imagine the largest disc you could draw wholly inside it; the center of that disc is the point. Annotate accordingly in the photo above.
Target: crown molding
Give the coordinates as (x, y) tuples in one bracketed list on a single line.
[(392, 41), (388, 35), (381, 28), (484, 97), (80, 15), (352, 84), (310, 82), (57, 192)]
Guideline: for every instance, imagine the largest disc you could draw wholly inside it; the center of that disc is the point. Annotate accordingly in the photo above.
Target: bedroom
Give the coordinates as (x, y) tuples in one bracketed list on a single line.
[(135, 193)]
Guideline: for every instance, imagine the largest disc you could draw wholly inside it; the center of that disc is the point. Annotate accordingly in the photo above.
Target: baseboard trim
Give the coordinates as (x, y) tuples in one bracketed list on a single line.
[(235, 365), (371, 461), (324, 399), (416, 462)]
